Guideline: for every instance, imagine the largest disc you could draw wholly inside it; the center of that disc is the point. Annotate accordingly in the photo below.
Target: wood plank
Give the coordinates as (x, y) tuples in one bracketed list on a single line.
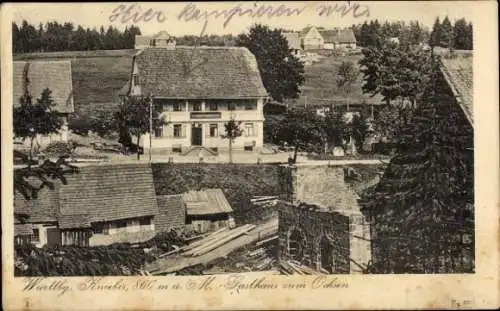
[(224, 240), (215, 239), (266, 240)]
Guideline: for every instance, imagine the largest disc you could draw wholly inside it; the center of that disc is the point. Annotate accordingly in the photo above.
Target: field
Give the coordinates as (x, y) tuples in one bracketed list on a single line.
[(97, 75), (321, 87)]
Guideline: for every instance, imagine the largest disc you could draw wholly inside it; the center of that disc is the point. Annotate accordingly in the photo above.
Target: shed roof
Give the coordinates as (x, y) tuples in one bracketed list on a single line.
[(54, 75), (199, 72), (458, 73), (206, 202), (338, 36), (293, 39)]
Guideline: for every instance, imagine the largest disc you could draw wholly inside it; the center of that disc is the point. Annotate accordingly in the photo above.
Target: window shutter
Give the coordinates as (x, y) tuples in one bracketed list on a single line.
[(207, 129), (255, 129)]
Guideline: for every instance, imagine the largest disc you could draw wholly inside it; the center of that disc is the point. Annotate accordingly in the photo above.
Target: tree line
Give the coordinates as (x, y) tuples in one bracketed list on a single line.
[(457, 36), (55, 37), (443, 34)]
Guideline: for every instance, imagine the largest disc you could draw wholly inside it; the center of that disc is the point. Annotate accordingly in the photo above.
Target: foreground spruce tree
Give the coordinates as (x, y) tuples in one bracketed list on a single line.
[(422, 210)]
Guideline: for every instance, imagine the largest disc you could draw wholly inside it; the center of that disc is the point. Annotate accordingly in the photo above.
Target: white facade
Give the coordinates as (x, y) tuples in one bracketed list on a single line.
[(312, 39), (189, 123)]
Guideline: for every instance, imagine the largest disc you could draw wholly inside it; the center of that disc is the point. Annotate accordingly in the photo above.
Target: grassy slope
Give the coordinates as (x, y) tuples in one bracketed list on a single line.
[(320, 83), (97, 75)]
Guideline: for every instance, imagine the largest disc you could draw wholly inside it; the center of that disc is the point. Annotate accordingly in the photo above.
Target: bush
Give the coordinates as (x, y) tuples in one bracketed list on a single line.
[(60, 148)]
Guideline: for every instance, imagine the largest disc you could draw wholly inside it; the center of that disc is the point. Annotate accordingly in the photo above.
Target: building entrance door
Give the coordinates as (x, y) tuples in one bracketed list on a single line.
[(196, 135), (53, 237)]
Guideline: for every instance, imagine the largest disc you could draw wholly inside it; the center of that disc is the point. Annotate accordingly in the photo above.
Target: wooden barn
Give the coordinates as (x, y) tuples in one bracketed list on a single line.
[(207, 210)]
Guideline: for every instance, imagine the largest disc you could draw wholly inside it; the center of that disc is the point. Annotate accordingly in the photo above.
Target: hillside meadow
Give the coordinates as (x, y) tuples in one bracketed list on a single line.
[(99, 75)]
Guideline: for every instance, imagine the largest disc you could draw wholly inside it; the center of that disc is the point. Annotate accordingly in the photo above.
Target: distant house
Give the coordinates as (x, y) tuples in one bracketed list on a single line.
[(207, 210), (338, 39), (161, 39), (315, 38), (311, 39), (100, 205), (54, 75), (293, 39), (198, 90)]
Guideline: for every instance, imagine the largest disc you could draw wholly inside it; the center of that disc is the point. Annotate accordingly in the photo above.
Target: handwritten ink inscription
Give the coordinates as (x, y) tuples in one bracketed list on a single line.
[(230, 283), (134, 13), (191, 12)]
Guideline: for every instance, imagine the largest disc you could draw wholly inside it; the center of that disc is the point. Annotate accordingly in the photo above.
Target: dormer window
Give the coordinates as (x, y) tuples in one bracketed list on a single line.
[(135, 79)]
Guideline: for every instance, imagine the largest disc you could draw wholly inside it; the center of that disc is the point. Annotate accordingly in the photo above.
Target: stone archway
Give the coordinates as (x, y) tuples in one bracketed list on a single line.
[(296, 243)]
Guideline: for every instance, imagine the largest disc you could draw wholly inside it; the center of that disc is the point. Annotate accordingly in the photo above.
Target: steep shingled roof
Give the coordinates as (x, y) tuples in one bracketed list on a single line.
[(458, 72), (338, 36), (206, 202), (107, 192), (96, 193), (199, 72), (42, 209), (171, 212), (293, 39), (54, 75)]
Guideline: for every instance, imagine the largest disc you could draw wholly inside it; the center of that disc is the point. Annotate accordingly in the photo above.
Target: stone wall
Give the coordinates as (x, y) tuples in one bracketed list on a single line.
[(337, 214), (314, 225)]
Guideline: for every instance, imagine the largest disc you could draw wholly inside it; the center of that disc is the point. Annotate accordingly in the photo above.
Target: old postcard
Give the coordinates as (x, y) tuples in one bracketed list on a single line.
[(250, 155)]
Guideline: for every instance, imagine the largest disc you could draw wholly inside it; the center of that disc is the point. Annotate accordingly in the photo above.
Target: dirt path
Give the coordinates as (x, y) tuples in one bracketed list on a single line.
[(178, 262)]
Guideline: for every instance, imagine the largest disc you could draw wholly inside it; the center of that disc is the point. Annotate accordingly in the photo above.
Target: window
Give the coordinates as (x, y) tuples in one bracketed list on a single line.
[(35, 238), (249, 106), (197, 106), (145, 221), (177, 130), (121, 224), (249, 129), (214, 130), (231, 106), (177, 107), (177, 148), (248, 148), (135, 78), (159, 131), (98, 228), (213, 106)]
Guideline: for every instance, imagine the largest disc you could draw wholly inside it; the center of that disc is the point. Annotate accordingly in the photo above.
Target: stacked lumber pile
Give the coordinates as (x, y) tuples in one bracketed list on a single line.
[(264, 201), (210, 242), (290, 267)]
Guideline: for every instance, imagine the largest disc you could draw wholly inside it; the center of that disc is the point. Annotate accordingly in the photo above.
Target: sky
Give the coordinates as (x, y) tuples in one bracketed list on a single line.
[(98, 14)]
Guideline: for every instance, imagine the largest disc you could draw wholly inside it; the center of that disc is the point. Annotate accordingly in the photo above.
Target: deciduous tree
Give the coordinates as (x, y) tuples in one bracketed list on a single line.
[(133, 117), (232, 130), (33, 119), (347, 74), (282, 73)]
